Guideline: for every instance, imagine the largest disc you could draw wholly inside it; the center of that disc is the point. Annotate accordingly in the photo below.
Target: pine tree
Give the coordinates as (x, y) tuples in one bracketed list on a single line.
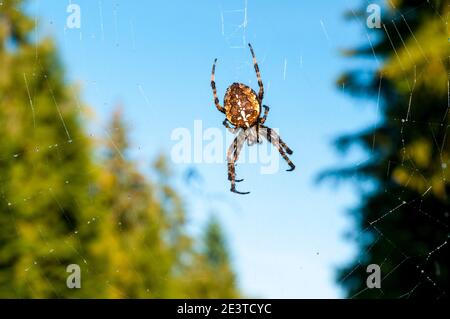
[(210, 274), (147, 251), (402, 220), (138, 260), (215, 249), (45, 169)]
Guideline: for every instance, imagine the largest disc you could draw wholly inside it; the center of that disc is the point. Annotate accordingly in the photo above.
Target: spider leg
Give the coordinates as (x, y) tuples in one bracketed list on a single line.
[(273, 138), (266, 112), (232, 130), (232, 174), (213, 86), (261, 121), (232, 156), (258, 75), (258, 125)]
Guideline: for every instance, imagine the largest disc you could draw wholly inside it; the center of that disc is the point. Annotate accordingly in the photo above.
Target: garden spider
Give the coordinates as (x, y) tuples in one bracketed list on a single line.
[(242, 109)]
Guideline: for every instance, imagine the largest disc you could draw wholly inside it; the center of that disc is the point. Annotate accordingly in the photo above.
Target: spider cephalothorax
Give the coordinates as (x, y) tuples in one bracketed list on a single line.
[(243, 109)]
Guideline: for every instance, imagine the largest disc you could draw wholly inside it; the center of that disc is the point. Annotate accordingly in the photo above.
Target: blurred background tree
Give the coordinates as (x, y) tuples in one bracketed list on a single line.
[(137, 260), (45, 169), (210, 275), (402, 220), (61, 204)]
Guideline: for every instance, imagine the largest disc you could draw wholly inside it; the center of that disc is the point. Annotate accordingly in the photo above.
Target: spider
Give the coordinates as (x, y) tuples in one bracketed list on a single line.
[(242, 110)]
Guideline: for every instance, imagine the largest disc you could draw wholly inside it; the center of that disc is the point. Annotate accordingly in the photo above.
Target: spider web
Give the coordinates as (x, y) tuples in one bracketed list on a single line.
[(234, 23), (397, 255)]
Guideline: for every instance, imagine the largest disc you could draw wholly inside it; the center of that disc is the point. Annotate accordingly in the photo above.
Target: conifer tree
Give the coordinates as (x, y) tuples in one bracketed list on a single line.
[(47, 220), (137, 259), (402, 220), (211, 275)]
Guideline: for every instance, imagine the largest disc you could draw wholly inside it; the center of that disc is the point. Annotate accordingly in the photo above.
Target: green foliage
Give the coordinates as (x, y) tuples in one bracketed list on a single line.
[(136, 259), (210, 274), (403, 219), (61, 205), (215, 248), (44, 169)]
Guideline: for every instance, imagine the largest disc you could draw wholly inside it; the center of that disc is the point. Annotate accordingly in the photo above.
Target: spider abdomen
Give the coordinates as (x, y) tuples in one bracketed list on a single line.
[(242, 107)]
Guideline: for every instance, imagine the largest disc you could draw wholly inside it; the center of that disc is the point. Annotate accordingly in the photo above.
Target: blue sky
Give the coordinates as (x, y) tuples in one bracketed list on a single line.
[(155, 59)]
